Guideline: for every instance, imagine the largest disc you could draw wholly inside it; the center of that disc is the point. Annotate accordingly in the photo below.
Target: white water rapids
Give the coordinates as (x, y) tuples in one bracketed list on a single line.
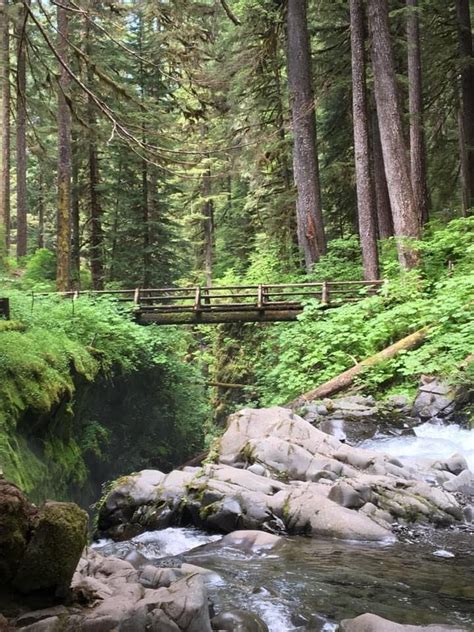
[(311, 583), (431, 441)]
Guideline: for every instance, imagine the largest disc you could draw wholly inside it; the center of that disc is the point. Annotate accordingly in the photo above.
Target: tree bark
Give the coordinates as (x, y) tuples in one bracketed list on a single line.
[(346, 379), (310, 227), (146, 196), (5, 127), (63, 273), (397, 169), (208, 224), (40, 238), (97, 233), (364, 180), (416, 109), (75, 212), (21, 209), (384, 210), (466, 116)]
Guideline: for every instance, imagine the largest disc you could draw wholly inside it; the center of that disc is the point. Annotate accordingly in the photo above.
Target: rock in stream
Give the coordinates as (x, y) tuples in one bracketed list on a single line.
[(275, 471)]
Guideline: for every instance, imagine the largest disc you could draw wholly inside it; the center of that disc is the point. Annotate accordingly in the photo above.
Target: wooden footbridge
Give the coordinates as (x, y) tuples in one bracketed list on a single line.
[(232, 304)]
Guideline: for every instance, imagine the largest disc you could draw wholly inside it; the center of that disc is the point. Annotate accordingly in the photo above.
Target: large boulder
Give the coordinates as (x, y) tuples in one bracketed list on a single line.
[(355, 418), (110, 595), (15, 515), (59, 535), (434, 399), (373, 623), (39, 548), (276, 472)]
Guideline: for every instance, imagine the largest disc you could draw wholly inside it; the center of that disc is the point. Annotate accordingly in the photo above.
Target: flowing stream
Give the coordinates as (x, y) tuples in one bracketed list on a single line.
[(310, 585)]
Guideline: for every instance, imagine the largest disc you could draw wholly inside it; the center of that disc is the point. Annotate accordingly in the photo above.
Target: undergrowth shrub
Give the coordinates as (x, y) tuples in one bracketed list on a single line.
[(284, 360)]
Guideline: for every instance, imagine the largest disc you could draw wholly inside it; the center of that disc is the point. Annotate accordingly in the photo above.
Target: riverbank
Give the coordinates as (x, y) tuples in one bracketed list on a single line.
[(417, 568), (86, 394)]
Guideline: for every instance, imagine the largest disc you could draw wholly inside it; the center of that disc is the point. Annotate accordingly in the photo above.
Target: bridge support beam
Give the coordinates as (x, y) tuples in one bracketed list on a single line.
[(215, 317)]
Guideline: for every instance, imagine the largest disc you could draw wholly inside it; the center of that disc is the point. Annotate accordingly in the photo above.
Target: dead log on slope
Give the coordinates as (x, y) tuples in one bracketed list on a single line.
[(346, 379)]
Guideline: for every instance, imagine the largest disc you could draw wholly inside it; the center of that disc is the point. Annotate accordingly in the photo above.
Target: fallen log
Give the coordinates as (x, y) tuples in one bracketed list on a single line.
[(345, 379), (226, 385)]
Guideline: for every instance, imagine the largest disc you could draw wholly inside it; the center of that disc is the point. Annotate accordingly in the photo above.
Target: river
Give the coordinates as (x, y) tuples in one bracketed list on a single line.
[(309, 585)]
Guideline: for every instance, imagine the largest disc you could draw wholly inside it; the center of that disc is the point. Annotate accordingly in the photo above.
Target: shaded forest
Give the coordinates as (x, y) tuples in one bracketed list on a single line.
[(151, 143)]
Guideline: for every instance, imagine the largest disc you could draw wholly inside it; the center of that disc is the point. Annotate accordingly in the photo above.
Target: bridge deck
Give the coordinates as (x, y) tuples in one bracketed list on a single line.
[(234, 304)]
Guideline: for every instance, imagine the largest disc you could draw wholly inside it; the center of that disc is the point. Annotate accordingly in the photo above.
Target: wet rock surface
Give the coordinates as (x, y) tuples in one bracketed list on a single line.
[(110, 595), (39, 548), (238, 621), (373, 623), (306, 482)]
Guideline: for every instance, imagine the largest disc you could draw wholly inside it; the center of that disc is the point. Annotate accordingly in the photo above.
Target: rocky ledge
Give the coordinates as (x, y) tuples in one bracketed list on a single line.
[(275, 471)]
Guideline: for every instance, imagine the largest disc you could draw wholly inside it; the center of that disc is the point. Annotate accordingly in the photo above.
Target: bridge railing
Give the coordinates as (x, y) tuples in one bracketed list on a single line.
[(251, 297), (286, 296)]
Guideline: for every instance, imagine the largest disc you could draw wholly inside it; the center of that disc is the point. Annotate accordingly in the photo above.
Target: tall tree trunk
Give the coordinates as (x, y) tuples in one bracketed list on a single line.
[(40, 238), (384, 210), (208, 224), (63, 273), (311, 236), (75, 212), (466, 117), (21, 210), (415, 103), (397, 168), (364, 180), (5, 127), (115, 224), (97, 234), (146, 238)]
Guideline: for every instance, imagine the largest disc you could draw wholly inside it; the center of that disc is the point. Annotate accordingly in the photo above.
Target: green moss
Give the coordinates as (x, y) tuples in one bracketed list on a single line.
[(54, 550), (57, 361)]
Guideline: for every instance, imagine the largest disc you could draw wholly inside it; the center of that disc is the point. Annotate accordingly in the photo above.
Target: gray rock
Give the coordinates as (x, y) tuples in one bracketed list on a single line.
[(463, 483), (373, 623), (257, 469), (39, 615), (400, 402), (333, 427), (346, 496), (434, 399), (313, 484), (251, 540), (468, 513), (456, 464), (238, 621), (122, 598)]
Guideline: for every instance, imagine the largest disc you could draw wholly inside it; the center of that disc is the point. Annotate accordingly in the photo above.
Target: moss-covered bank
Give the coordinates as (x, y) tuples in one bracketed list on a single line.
[(86, 394)]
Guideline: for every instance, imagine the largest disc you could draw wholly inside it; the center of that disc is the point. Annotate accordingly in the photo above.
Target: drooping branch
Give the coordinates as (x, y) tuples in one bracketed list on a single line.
[(230, 14)]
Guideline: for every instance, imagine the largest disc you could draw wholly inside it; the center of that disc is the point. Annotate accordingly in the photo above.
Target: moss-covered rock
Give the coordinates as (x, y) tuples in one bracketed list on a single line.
[(15, 515), (52, 554)]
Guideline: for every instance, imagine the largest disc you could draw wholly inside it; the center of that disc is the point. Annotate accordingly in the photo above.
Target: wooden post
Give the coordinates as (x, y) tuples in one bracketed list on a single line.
[(325, 294), (197, 301), (136, 297), (260, 297)]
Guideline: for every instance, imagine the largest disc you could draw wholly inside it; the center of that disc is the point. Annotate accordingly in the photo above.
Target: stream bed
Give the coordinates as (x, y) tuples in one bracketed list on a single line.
[(312, 584)]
